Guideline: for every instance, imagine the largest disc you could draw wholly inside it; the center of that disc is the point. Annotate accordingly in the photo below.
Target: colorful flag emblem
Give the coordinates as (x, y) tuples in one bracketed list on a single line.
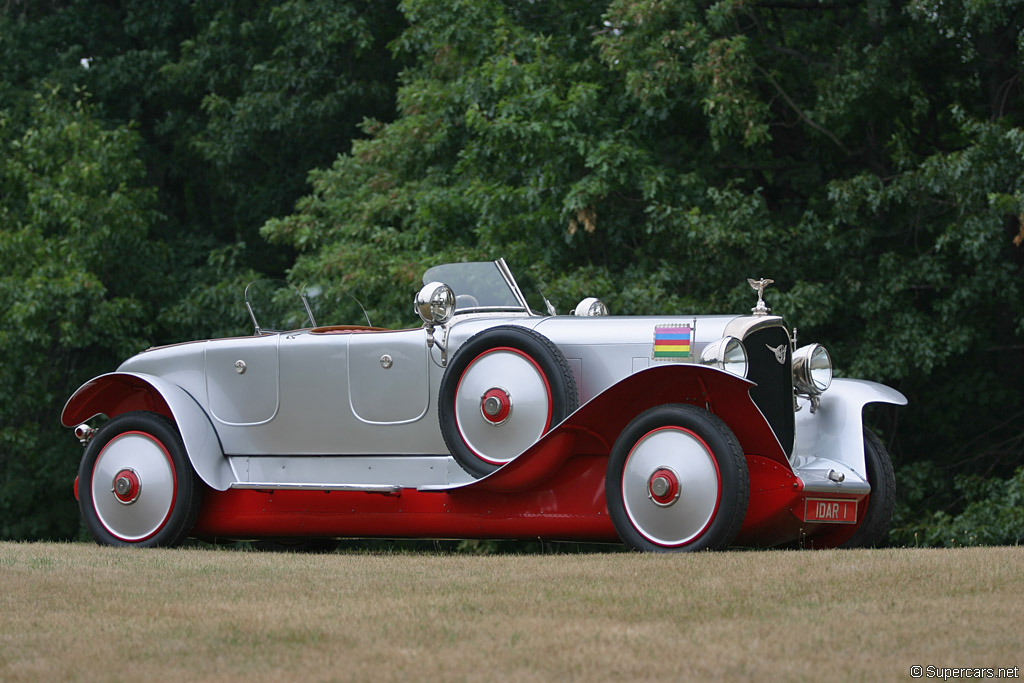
[(672, 342)]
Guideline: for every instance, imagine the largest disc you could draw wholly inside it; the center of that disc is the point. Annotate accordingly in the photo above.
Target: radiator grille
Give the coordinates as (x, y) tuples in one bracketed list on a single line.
[(774, 391)]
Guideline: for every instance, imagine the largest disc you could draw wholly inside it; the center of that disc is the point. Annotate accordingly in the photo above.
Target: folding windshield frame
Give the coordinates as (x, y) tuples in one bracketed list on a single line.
[(512, 287)]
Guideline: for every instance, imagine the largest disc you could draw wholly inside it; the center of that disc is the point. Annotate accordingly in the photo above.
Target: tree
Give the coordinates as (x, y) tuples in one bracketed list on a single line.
[(131, 213), (77, 282), (234, 104), (866, 155)]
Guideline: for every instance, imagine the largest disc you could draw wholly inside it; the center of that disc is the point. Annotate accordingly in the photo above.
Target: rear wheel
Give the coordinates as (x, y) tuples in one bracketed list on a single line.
[(677, 480), (136, 484)]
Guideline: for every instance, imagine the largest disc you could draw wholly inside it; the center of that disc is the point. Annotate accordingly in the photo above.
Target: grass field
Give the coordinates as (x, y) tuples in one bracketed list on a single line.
[(80, 612)]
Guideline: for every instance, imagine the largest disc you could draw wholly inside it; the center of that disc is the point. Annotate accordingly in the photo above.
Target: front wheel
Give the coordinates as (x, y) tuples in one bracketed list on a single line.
[(677, 480), (136, 484), (874, 527)]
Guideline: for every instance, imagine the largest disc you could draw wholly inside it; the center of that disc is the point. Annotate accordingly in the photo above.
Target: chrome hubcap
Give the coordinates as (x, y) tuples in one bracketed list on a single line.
[(663, 486), (662, 465), (496, 406), (126, 509), (127, 486)]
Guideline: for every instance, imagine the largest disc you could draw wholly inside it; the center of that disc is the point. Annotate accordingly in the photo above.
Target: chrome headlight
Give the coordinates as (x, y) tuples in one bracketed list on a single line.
[(435, 303), (728, 353), (812, 369), (591, 306)]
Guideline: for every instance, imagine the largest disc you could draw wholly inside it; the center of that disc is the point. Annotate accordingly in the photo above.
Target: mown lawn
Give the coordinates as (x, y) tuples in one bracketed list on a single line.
[(81, 612)]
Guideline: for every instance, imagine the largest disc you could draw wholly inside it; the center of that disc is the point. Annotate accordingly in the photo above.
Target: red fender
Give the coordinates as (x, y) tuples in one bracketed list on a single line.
[(593, 429), (122, 392), (554, 490), (112, 394)]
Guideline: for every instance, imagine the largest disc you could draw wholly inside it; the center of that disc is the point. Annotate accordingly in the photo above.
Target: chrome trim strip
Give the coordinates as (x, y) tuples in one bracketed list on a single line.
[(832, 487), (814, 473), (279, 486), (745, 325), (362, 472), (513, 285)]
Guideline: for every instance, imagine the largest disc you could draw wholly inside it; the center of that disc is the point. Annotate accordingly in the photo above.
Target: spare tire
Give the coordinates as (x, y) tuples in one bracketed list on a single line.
[(504, 388)]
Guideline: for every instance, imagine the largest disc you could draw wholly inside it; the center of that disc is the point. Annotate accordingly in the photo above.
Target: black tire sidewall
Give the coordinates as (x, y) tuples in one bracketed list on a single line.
[(874, 528), (186, 502), (728, 456), (556, 370)]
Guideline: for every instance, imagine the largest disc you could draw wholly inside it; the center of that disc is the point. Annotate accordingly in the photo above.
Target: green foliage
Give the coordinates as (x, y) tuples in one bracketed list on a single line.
[(868, 156), (130, 216), (75, 273), (235, 102), (275, 89), (992, 513)]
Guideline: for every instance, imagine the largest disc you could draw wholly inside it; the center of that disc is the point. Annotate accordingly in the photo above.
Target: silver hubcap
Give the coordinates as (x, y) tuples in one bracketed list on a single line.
[(670, 486), (125, 509), (484, 412)]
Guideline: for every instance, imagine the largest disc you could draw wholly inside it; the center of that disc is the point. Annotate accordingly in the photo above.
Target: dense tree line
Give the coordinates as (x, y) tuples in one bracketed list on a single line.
[(143, 146), (867, 155)]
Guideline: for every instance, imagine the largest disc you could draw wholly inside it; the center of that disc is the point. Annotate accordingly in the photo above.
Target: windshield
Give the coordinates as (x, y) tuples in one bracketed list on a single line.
[(479, 285), (276, 306)]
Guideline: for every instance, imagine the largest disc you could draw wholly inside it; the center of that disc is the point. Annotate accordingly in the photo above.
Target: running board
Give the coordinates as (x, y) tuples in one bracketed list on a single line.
[(385, 489)]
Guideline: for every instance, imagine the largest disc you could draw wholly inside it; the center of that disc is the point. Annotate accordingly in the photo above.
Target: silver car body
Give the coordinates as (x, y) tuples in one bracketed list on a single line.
[(355, 408)]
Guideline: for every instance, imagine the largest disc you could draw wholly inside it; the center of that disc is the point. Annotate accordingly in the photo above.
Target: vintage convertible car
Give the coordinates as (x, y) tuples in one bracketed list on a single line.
[(674, 433)]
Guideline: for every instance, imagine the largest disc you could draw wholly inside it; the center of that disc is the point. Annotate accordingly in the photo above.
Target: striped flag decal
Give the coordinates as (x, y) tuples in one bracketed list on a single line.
[(672, 342)]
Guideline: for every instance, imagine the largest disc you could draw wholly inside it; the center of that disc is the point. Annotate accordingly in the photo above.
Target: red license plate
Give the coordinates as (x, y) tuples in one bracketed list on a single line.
[(830, 510)]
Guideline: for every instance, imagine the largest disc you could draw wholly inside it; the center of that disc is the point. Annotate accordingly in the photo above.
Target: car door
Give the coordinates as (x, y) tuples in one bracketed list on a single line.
[(242, 380), (388, 376), (357, 392)]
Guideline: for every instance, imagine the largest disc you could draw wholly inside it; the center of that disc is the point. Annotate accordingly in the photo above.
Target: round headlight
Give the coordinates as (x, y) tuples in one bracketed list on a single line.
[(812, 369), (591, 306), (435, 303), (728, 353)]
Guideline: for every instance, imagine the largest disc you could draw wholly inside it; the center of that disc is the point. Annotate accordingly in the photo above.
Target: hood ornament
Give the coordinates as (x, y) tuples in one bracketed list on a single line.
[(758, 286)]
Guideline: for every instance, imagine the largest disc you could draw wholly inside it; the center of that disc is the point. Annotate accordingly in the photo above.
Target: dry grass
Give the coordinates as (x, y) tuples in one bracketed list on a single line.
[(80, 612)]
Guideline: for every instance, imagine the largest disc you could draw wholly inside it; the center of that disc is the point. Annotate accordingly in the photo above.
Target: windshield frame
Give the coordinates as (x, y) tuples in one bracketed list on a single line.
[(505, 277), (273, 288)]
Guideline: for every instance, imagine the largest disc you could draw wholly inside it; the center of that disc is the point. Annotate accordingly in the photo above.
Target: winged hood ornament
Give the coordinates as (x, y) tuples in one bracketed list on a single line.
[(759, 286)]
